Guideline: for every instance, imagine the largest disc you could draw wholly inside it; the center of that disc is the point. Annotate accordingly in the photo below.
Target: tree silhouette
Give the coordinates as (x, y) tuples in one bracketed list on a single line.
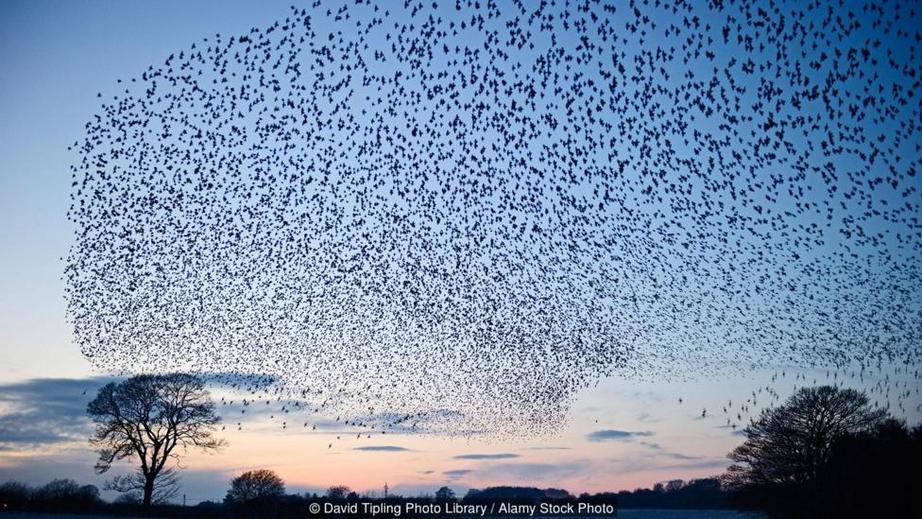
[(253, 486), (58, 495), (153, 419), (444, 495), (131, 486), (67, 495), (787, 464), (873, 474), (791, 443), (338, 492), (14, 495)]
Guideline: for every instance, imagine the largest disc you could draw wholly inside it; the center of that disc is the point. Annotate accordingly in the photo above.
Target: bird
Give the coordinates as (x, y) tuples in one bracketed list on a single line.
[(386, 206)]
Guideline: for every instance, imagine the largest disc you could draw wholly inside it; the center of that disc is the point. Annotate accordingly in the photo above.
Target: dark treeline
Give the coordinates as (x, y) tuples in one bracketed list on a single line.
[(251, 495), (872, 473), (58, 496), (827, 452), (262, 494), (698, 494)]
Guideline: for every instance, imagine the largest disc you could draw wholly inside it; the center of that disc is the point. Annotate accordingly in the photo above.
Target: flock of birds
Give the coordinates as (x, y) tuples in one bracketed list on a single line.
[(454, 215)]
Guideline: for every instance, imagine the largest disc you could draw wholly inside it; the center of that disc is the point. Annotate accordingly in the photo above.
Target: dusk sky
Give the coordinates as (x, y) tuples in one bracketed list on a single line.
[(634, 424)]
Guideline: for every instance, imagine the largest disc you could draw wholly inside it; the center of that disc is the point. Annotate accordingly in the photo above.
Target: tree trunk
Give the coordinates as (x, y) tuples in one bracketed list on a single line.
[(148, 491)]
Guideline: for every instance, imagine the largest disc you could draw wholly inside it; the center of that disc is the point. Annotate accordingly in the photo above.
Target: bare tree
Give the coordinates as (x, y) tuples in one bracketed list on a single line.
[(255, 485), (790, 444), (153, 419)]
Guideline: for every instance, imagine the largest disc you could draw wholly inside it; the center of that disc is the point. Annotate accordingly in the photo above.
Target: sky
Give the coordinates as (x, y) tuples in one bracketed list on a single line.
[(623, 433)]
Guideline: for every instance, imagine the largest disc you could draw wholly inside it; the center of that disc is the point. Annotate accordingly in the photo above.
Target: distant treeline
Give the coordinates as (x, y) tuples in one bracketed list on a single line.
[(63, 495), (706, 493), (58, 496), (698, 494)]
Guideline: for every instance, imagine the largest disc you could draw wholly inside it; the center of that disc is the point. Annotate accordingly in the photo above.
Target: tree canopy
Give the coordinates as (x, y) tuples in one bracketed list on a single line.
[(255, 485), (790, 444), (152, 419), (445, 494), (338, 492)]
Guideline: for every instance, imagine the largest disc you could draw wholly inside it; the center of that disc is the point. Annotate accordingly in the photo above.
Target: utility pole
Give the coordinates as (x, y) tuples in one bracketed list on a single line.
[(385, 490), (184, 500)]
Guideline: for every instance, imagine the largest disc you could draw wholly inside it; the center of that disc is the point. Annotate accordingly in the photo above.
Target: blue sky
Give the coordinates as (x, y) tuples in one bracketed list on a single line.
[(56, 58)]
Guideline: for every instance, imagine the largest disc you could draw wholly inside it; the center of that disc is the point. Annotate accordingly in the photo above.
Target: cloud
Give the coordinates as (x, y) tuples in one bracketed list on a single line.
[(43, 412), (39, 469), (535, 471), (638, 396), (646, 417), (660, 460), (548, 448), (457, 473), (697, 463), (382, 448), (680, 456), (667, 454), (615, 435), (498, 456), (736, 431), (46, 411), (28, 429)]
